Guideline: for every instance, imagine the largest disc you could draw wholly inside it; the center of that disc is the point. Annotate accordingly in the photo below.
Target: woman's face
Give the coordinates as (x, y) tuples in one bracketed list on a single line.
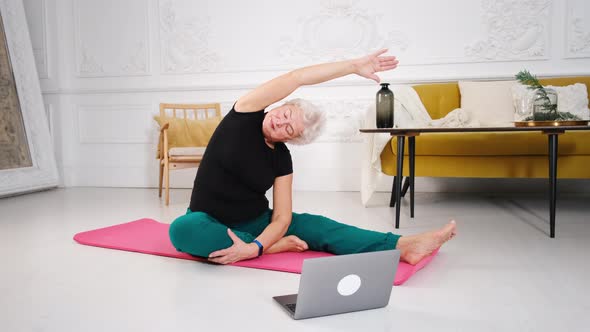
[(283, 123)]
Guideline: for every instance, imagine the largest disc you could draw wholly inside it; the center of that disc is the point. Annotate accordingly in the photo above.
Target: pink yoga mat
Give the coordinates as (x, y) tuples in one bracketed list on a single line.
[(151, 237)]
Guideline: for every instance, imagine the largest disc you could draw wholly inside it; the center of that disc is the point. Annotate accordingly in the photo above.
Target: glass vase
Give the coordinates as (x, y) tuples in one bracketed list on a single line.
[(545, 105), (384, 107), (523, 106)]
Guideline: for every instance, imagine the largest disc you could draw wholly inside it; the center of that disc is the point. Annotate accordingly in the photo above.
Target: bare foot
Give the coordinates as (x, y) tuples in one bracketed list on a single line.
[(415, 247), (288, 243)]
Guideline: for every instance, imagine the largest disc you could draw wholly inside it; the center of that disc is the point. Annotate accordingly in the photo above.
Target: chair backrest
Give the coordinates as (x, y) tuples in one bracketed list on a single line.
[(191, 111)]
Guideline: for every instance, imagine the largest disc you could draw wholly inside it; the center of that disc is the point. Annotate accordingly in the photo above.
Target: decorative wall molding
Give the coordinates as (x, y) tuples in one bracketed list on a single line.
[(344, 119), (114, 124), (137, 61), (341, 29), (105, 50), (578, 29), (36, 13), (88, 65), (516, 30), (184, 42), (579, 44)]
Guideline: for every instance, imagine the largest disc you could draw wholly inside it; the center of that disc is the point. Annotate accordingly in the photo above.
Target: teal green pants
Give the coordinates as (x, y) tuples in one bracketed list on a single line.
[(199, 234)]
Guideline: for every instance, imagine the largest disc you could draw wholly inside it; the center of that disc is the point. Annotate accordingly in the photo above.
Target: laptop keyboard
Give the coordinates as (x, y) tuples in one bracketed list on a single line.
[(291, 306)]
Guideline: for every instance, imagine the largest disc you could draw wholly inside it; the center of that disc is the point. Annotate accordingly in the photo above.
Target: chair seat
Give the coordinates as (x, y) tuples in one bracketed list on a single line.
[(187, 151), (186, 155), (183, 159)]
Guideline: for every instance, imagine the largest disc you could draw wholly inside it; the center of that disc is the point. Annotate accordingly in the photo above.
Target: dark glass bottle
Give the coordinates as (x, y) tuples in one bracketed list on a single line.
[(384, 107)]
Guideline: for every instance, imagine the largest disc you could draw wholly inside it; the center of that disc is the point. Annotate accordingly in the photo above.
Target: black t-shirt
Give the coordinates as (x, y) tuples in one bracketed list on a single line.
[(237, 169)]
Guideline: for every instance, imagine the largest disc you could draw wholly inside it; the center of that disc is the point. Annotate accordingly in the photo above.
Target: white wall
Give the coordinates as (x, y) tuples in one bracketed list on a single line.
[(105, 65)]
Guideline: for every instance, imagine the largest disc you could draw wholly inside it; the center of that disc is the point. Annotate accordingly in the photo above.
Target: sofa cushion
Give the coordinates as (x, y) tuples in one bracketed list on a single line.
[(564, 81), (572, 99), (497, 144), (439, 98), (490, 102), (568, 167)]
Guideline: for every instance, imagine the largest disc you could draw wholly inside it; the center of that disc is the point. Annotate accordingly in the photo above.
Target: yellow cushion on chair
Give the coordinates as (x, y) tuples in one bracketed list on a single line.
[(187, 132)]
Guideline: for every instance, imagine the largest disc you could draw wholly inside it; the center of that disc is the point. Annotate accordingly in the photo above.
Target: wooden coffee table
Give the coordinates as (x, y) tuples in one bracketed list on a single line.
[(552, 133)]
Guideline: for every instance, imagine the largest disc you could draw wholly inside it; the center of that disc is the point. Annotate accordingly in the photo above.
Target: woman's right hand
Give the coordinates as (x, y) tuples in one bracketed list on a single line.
[(239, 251), (373, 63)]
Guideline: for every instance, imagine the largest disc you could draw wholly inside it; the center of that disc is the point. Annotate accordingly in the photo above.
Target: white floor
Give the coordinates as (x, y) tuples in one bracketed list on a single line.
[(501, 273)]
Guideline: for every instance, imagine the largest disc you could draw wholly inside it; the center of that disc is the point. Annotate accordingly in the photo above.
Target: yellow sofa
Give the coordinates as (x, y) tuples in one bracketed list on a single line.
[(489, 155)]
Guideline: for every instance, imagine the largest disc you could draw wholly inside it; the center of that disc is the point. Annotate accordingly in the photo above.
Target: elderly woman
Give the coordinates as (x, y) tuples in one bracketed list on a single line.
[(229, 218)]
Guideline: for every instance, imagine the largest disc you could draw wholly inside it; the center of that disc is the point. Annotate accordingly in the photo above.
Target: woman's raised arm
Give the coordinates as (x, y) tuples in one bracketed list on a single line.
[(282, 86)]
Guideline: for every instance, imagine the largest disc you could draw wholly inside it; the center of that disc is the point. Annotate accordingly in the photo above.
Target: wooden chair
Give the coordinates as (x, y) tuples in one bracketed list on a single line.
[(181, 157)]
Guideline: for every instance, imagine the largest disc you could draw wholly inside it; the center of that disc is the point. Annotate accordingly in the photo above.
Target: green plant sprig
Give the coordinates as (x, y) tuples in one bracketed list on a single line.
[(526, 78)]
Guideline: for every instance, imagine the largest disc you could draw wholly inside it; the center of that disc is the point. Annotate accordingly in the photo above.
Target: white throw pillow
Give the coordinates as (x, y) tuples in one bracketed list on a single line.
[(572, 98), (489, 102)]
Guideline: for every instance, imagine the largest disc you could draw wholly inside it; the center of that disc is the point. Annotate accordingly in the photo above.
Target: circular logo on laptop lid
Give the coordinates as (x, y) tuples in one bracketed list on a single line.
[(349, 285)]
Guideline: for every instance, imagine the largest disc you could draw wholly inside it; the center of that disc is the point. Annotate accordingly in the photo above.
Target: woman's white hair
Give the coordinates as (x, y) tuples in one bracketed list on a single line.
[(314, 121)]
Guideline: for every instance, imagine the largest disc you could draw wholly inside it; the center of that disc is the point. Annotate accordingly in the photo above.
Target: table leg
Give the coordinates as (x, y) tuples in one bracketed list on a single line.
[(412, 147), (406, 186), (392, 199), (398, 181), (553, 144)]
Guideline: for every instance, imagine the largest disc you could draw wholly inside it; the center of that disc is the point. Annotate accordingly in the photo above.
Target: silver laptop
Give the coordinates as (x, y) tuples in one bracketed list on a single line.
[(339, 284)]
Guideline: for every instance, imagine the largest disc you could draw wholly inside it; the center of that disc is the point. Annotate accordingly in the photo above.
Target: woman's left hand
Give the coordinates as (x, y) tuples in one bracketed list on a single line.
[(239, 251), (368, 65)]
